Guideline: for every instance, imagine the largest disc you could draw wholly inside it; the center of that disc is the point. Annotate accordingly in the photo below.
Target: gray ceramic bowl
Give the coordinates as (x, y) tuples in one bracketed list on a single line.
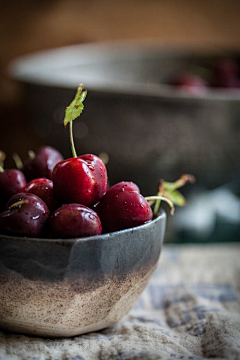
[(146, 126), (68, 287)]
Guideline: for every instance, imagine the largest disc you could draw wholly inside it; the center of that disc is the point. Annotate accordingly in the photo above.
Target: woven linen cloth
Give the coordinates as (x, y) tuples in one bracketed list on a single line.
[(189, 310)]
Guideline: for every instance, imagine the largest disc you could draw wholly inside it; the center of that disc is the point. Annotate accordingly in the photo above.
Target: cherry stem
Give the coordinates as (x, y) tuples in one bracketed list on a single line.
[(184, 179), (1, 169), (31, 154), (169, 202), (74, 153), (18, 203), (2, 159), (157, 205), (18, 161)]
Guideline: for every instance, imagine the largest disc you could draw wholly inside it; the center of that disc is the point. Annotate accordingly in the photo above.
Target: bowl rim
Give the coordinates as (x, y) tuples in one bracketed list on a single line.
[(160, 217), (27, 69)]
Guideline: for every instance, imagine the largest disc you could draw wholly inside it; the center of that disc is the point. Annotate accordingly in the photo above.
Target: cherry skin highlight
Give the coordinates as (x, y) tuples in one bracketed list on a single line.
[(43, 188), (42, 165), (80, 180), (25, 214), (75, 220), (123, 207), (11, 181)]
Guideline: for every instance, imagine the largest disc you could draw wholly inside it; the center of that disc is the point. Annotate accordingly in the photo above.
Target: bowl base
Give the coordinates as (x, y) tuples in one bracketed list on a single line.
[(124, 296)]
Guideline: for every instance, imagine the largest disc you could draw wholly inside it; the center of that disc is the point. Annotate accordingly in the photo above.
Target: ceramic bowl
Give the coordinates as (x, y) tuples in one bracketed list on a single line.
[(61, 288)]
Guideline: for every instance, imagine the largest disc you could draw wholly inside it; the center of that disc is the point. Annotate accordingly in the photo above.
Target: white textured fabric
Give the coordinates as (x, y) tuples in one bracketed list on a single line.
[(190, 310)]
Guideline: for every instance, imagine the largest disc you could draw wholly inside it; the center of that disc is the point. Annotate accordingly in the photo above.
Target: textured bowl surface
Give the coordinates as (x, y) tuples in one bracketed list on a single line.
[(69, 287)]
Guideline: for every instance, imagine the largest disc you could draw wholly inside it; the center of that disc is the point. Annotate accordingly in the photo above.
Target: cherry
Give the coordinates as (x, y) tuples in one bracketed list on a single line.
[(123, 207), (41, 165), (226, 74), (11, 181), (25, 214), (43, 188), (82, 180), (190, 83), (75, 220)]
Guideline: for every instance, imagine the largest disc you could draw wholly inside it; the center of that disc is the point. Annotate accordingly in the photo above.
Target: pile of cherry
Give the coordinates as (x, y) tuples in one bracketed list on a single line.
[(224, 74), (67, 198)]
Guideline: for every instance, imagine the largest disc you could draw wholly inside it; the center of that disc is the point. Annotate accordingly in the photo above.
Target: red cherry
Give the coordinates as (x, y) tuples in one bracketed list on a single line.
[(43, 163), (80, 180), (75, 220), (25, 214), (190, 83), (123, 207), (43, 188), (11, 181)]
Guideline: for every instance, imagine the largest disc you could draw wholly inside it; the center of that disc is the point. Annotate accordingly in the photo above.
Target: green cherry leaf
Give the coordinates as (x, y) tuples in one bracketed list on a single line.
[(176, 197), (74, 110)]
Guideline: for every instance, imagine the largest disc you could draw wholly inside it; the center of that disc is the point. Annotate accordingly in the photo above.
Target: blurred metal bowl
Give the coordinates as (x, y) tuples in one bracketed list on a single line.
[(149, 129)]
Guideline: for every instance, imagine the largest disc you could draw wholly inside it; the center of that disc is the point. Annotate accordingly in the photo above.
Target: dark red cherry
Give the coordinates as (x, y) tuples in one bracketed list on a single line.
[(82, 180), (43, 188), (123, 207), (190, 83), (11, 181), (43, 163), (226, 74), (75, 220), (25, 214)]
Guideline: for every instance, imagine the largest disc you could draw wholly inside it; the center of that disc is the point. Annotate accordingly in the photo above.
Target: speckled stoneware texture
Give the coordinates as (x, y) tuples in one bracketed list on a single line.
[(60, 288)]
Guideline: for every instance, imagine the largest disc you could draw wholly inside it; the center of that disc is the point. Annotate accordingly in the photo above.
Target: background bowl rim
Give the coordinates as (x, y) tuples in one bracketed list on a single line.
[(162, 215), (27, 69)]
